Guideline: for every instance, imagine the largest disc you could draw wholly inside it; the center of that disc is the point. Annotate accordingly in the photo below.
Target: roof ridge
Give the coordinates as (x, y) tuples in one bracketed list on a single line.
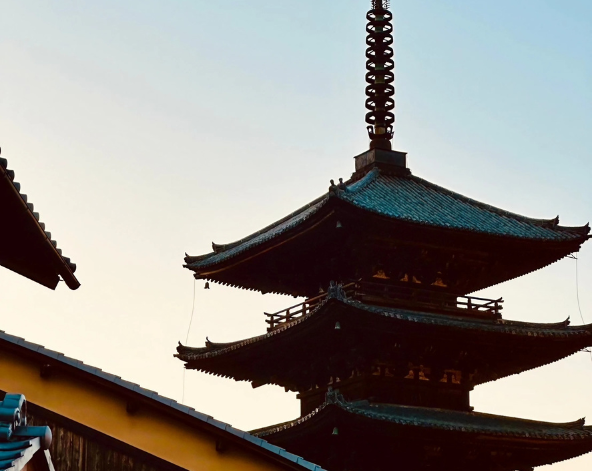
[(576, 425), (226, 347), (404, 199), (560, 324), (213, 349), (579, 423), (262, 432), (359, 408), (564, 326), (218, 248), (548, 223), (363, 182)]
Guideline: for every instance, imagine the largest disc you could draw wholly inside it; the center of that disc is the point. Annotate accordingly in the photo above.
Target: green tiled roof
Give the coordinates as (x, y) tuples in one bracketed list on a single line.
[(411, 199), (416, 200)]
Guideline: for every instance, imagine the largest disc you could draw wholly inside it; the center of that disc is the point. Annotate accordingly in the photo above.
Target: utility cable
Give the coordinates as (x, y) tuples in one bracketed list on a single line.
[(575, 257), (187, 338), (578, 291), (192, 311)]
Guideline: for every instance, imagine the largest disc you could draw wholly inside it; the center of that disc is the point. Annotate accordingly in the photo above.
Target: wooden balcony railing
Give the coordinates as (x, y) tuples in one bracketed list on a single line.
[(397, 296)]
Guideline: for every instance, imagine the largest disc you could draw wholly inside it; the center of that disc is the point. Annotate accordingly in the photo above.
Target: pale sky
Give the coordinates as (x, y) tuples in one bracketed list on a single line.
[(142, 130)]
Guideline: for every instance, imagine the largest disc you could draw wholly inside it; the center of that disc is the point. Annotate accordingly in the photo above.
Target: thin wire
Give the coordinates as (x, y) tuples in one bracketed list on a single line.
[(578, 290), (192, 311), (575, 257), (187, 338), (183, 395)]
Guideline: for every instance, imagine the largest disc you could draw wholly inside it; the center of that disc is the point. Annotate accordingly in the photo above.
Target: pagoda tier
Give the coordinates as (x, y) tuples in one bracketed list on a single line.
[(362, 435), (392, 354), (389, 224)]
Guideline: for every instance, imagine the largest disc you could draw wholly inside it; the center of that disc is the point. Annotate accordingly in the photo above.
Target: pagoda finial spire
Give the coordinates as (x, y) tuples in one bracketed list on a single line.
[(380, 76)]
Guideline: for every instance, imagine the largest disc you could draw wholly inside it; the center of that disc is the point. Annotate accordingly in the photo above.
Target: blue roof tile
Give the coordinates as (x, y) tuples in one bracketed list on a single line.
[(414, 199), (19, 442), (222, 252)]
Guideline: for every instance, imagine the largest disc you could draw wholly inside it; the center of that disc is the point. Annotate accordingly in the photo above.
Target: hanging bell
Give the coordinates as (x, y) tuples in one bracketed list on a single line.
[(207, 285), (338, 225), (337, 326), (335, 431)]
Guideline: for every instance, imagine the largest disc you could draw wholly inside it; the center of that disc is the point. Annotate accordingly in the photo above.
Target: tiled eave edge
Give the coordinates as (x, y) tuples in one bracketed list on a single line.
[(585, 432), (68, 267), (546, 223), (152, 398), (579, 234), (226, 252), (557, 330)]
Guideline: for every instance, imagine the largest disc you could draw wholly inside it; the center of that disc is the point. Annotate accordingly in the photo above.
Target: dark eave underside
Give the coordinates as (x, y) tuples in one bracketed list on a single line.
[(449, 420), (501, 326), (313, 332), (381, 434), (25, 247)]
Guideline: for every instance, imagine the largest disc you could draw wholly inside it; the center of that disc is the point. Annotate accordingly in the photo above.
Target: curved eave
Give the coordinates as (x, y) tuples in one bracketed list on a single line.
[(213, 358), (396, 198), (450, 420), (54, 265), (562, 440), (413, 199), (228, 255)]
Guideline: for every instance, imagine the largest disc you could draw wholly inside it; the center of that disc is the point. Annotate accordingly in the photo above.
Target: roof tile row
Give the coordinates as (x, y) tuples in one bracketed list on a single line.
[(11, 175), (525, 329), (468, 422)]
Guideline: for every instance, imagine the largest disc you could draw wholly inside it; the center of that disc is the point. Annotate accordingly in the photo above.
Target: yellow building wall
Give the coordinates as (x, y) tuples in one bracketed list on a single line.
[(104, 410)]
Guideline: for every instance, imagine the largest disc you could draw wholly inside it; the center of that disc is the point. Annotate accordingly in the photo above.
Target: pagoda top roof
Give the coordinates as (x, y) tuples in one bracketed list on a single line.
[(444, 419), (406, 198)]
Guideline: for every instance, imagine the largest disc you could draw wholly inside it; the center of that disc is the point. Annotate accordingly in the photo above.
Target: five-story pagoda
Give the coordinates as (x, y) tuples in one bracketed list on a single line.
[(388, 344)]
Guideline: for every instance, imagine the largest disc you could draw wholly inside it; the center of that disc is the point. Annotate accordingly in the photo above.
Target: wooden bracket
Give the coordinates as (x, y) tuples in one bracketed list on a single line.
[(46, 371), (221, 445), (132, 407)]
